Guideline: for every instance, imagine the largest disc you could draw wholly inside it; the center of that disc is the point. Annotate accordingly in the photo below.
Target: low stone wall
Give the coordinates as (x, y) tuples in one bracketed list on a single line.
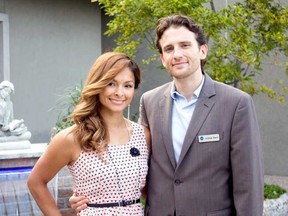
[(65, 185), (276, 207)]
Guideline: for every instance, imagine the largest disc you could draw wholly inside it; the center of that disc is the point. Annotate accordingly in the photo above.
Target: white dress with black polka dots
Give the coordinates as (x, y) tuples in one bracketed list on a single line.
[(121, 176)]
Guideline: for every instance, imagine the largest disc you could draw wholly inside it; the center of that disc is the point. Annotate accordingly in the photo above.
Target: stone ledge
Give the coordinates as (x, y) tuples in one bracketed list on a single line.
[(276, 207), (35, 151), (15, 145)]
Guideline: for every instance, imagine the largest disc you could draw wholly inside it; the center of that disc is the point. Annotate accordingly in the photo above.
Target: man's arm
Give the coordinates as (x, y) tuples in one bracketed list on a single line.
[(247, 160), (78, 202)]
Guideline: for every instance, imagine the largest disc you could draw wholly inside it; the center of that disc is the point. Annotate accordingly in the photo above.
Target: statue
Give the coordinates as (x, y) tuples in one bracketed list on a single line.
[(10, 129)]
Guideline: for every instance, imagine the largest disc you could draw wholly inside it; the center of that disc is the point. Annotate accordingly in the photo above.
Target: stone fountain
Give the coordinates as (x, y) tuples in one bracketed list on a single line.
[(17, 158)]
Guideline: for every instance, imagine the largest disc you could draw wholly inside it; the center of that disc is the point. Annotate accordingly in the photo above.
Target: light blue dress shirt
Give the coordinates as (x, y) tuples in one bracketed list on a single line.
[(182, 112)]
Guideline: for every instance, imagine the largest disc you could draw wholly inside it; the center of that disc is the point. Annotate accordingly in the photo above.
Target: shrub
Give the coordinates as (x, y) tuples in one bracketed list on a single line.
[(272, 191), (65, 105)]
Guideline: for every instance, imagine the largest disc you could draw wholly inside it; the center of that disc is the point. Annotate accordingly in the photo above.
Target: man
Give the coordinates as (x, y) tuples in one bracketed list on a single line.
[(206, 156), (206, 148)]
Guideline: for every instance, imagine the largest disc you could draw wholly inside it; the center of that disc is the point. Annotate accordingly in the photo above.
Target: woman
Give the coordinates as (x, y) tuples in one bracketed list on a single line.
[(106, 154)]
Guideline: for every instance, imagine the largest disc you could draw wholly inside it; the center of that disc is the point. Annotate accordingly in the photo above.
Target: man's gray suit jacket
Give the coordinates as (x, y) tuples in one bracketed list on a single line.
[(219, 178)]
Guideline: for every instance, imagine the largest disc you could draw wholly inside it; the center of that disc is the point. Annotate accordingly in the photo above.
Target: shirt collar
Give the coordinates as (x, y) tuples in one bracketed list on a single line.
[(175, 94)]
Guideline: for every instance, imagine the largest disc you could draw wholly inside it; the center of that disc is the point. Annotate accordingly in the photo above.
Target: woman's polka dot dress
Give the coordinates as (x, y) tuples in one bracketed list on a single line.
[(121, 176)]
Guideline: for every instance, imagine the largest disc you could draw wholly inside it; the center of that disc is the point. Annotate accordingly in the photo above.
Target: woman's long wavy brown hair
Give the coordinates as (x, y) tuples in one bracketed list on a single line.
[(90, 129)]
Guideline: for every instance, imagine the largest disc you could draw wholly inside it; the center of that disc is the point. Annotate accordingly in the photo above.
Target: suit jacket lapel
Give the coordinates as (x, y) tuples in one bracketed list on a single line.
[(203, 107), (165, 112)]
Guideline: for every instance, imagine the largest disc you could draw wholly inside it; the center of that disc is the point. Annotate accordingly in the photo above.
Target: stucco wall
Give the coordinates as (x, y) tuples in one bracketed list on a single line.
[(53, 44), (273, 120)]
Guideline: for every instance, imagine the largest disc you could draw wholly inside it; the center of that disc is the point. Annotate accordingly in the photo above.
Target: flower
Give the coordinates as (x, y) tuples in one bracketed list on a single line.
[(134, 152)]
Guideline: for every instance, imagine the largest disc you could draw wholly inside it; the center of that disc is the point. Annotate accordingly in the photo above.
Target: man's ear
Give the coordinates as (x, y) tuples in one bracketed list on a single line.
[(204, 51), (162, 60)]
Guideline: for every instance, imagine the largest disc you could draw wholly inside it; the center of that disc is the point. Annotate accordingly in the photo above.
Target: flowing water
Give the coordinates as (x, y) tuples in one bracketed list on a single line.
[(15, 198)]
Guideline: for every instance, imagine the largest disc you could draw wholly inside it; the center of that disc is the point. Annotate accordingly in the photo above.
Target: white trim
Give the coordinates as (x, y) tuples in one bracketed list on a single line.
[(6, 53)]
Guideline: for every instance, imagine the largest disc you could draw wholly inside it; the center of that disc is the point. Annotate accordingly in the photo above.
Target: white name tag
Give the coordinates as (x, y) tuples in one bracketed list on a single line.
[(209, 138)]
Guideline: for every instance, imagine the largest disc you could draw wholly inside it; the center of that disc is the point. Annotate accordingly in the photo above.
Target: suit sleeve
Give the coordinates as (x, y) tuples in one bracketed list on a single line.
[(247, 160), (142, 113)]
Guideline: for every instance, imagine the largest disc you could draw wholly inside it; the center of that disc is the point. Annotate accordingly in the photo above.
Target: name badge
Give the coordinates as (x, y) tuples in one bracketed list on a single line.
[(209, 138)]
